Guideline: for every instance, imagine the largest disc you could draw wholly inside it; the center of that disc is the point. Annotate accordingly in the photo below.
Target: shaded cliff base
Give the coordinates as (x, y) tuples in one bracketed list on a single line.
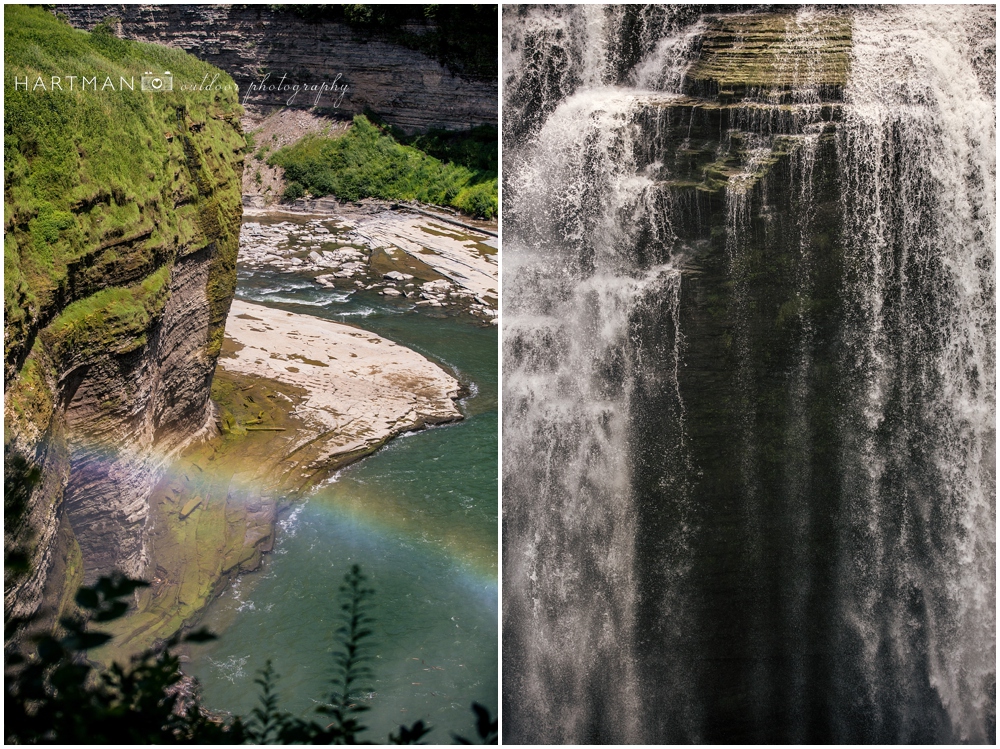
[(281, 432)]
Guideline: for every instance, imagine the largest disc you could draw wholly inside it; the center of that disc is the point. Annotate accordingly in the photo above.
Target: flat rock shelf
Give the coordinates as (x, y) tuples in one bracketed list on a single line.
[(361, 388)]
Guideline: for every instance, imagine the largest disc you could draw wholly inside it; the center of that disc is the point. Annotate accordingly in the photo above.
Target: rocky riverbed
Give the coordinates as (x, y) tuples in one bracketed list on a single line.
[(421, 260)]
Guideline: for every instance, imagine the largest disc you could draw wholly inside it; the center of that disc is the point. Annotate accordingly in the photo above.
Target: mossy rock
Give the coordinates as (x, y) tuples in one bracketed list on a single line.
[(773, 52), (106, 185)]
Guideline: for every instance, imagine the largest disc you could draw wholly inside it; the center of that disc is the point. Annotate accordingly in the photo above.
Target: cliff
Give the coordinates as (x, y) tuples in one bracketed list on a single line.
[(259, 45), (121, 213)]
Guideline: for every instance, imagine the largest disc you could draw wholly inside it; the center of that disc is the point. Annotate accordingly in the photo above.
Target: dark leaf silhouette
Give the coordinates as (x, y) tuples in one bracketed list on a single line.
[(53, 694)]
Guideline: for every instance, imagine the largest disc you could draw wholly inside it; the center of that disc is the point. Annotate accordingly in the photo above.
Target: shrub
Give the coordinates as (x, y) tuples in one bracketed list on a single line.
[(480, 200), (294, 191), (365, 162)]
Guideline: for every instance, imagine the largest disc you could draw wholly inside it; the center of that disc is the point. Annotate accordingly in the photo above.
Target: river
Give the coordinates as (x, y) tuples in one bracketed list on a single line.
[(419, 517)]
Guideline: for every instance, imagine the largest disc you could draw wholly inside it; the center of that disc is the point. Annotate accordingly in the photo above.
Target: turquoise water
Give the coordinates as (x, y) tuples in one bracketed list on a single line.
[(419, 517)]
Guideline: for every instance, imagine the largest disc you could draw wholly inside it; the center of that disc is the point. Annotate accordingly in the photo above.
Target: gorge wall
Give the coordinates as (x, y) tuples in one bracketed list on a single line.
[(408, 88), (122, 216), (749, 345)]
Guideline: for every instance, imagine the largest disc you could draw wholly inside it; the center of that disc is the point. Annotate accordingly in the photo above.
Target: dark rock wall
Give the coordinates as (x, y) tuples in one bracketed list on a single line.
[(406, 87), (757, 419)]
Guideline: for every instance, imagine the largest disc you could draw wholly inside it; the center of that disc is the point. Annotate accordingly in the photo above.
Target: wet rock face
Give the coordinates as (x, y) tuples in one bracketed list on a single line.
[(772, 53), (409, 89), (765, 237)]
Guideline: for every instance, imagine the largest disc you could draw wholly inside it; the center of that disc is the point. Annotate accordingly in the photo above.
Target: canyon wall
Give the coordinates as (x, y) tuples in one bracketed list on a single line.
[(122, 214), (256, 45)]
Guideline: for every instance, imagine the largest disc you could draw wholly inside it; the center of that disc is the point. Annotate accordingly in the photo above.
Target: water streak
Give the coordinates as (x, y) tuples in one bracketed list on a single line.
[(918, 156)]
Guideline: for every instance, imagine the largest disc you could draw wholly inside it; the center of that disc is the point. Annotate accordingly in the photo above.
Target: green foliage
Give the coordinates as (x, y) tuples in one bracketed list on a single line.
[(29, 399), (365, 162), (104, 38), (55, 695), (342, 724), (352, 670), (294, 191), (86, 169), (114, 320), (474, 149), (46, 227), (479, 200)]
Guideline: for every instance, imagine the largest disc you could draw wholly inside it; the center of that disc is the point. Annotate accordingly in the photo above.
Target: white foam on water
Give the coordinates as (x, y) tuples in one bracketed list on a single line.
[(232, 669), (290, 523)]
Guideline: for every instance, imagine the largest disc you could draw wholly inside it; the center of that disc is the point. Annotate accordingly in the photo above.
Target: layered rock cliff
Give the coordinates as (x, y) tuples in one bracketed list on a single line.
[(268, 51), (122, 211)]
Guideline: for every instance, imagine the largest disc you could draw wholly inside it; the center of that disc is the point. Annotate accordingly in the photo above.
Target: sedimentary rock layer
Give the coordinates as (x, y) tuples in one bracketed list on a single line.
[(122, 224), (260, 46)]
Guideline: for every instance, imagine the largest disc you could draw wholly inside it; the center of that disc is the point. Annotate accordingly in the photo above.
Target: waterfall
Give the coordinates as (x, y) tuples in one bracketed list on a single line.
[(573, 290), (748, 430), (918, 152)]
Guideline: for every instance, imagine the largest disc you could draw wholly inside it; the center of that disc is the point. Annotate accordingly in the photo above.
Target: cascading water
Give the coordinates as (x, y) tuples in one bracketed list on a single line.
[(568, 334), (749, 375), (918, 154)]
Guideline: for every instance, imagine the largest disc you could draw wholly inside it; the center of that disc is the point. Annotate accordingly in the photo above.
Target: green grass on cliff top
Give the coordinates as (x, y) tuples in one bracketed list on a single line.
[(367, 162), (83, 167)]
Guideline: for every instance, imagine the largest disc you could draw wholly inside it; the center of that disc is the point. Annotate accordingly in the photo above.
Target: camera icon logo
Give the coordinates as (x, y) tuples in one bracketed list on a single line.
[(151, 82)]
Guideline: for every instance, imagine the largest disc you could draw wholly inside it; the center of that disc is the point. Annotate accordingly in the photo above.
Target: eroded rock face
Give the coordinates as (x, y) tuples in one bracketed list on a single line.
[(127, 414), (406, 87), (109, 365)]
